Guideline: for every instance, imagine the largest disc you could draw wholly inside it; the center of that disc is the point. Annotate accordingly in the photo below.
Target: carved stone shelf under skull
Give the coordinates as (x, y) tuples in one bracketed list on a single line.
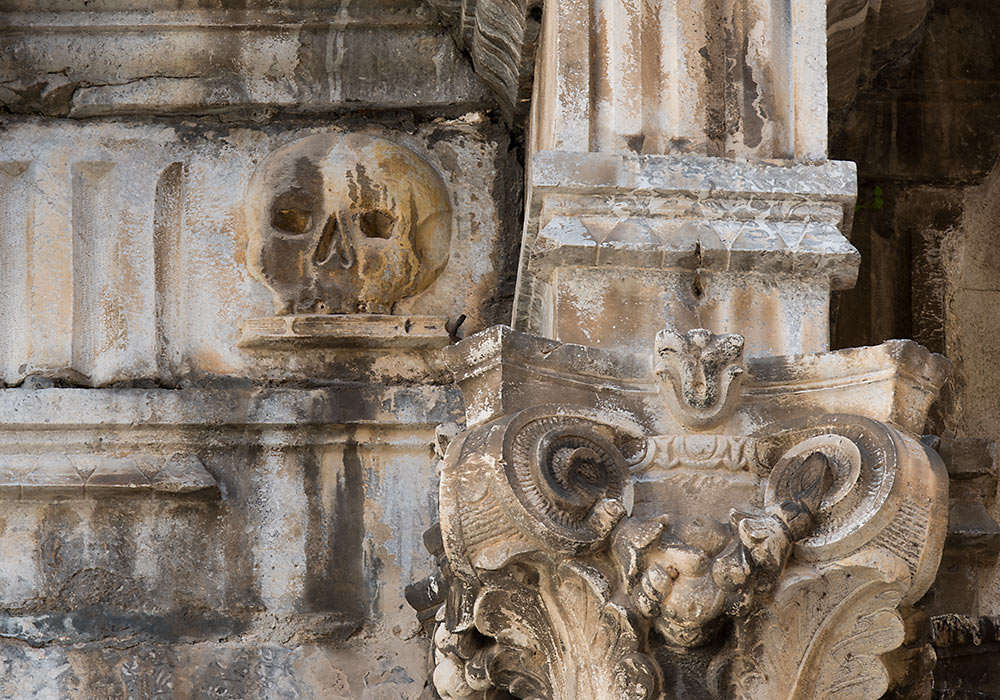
[(688, 524), (345, 223)]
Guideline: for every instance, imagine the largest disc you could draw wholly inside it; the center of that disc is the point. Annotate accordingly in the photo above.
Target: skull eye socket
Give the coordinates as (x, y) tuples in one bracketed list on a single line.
[(375, 224), (292, 212), (292, 220)]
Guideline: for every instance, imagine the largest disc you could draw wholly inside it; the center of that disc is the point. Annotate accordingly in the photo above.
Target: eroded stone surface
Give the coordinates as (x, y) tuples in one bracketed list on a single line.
[(341, 223), (315, 532), (277, 491), (617, 245), (217, 57)]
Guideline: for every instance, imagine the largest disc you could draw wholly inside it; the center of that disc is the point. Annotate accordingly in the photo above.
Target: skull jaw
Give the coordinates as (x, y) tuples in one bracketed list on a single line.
[(380, 274), (373, 283)]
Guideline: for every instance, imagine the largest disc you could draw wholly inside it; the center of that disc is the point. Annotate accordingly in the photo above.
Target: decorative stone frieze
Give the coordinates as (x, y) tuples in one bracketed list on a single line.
[(175, 212), (342, 223)]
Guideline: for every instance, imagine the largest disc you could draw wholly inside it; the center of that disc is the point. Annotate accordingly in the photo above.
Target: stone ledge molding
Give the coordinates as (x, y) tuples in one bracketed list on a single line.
[(296, 332), (28, 416), (62, 476), (66, 62)]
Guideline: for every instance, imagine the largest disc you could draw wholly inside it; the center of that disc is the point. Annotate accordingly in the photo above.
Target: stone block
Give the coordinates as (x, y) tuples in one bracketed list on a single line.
[(698, 242)]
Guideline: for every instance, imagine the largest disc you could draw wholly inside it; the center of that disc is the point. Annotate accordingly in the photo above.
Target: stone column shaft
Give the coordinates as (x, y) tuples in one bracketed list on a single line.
[(649, 198)]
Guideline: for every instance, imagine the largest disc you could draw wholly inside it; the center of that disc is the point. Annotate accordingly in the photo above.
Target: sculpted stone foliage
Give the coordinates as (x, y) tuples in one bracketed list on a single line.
[(500, 35), (875, 547), (346, 223), (563, 578)]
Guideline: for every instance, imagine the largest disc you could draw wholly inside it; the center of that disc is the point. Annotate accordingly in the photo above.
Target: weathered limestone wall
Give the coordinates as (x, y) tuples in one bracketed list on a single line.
[(209, 492), (109, 57), (286, 582), (186, 514), (127, 244)]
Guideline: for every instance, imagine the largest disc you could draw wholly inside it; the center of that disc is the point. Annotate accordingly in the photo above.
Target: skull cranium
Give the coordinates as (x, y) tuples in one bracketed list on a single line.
[(344, 223)]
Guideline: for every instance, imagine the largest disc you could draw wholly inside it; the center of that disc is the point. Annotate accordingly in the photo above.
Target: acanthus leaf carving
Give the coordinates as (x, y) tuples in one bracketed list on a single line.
[(501, 36), (870, 551), (831, 627)]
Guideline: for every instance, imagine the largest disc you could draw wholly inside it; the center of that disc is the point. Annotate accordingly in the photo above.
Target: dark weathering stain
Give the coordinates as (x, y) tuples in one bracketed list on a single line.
[(753, 125), (334, 576)]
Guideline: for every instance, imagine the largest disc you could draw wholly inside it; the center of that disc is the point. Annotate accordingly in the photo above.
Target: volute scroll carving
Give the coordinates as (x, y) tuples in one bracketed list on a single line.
[(874, 549), (548, 479), (527, 504)]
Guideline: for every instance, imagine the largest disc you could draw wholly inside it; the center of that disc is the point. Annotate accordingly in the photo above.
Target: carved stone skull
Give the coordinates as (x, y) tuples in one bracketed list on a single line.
[(345, 223)]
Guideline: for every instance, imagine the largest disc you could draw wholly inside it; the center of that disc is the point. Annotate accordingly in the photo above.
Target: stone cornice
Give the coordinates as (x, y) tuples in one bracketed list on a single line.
[(310, 58)]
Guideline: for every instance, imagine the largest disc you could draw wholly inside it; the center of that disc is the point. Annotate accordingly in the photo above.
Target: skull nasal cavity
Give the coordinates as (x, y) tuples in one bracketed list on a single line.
[(376, 224), (335, 243)]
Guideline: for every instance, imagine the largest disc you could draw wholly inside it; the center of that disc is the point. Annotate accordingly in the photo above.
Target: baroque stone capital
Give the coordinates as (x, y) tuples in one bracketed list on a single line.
[(585, 553)]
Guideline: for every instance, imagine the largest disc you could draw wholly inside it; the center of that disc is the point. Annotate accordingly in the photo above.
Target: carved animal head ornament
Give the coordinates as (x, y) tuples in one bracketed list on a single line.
[(345, 223), (703, 372)]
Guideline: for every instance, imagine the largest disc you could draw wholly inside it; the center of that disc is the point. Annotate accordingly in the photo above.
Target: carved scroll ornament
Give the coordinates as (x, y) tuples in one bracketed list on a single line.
[(875, 548)]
